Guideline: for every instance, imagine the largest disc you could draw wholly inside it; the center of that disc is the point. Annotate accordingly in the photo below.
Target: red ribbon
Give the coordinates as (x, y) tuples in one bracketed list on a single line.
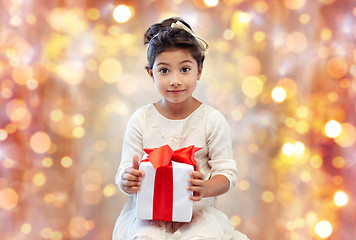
[(161, 159), (162, 156)]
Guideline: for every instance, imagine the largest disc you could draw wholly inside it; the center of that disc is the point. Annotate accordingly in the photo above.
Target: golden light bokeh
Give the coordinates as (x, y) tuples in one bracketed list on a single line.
[(8, 199), (316, 161), (259, 36), (294, 4), (110, 70), (93, 14), (39, 179), (17, 111), (297, 42), (282, 72), (235, 220), (268, 196), (77, 227), (109, 190), (288, 149), (72, 72), (249, 66), (279, 94), (26, 228), (337, 67), (333, 129), (62, 20), (211, 3), (40, 142), (66, 161), (244, 185), (22, 74), (252, 86), (47, 162), (341, 198), (304, 18), (302, 127), (323, 229), (122, 13)]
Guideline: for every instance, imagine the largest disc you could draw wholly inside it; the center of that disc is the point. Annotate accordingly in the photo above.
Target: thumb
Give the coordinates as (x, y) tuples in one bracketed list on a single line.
[(196, 165), (135, 162)]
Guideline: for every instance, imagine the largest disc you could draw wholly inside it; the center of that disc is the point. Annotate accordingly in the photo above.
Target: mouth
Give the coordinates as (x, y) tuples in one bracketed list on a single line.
[(176, 91)]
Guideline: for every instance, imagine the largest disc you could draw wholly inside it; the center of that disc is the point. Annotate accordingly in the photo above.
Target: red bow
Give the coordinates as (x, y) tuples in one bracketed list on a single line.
[(162, 156)]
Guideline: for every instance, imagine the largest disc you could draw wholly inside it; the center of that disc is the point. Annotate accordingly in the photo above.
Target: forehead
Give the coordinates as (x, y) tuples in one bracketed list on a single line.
[(174, 56)]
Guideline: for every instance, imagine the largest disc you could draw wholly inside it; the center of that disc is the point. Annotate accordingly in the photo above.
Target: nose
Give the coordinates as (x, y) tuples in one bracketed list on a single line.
[(175, 80)]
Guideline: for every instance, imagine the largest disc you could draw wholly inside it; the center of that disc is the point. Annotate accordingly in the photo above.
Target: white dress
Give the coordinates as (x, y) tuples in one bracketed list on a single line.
[(207, 128)]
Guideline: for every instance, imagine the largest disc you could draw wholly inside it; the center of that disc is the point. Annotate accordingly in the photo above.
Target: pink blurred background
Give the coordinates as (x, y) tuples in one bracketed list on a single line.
[(283, 73)]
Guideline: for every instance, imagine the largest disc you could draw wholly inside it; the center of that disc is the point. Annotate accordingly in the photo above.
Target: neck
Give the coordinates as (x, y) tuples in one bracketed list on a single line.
[(176, 111)]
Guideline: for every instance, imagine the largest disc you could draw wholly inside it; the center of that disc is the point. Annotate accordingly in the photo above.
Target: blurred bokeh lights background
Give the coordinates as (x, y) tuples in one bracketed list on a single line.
[(283, 72)]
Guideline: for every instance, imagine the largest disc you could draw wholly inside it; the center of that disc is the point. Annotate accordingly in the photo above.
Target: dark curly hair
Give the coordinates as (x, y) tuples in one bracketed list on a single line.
[(161, 37)]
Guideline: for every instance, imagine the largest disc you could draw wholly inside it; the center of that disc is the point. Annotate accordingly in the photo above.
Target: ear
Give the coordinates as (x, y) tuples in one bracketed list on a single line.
[(150, 73), (200, 70)]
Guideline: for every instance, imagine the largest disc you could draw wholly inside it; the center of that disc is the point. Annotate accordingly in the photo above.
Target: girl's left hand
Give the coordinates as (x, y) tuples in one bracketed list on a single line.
[(198, 185)]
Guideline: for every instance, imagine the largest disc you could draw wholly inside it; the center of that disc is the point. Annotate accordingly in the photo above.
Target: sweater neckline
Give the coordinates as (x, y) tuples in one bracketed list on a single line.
[(177, 120)]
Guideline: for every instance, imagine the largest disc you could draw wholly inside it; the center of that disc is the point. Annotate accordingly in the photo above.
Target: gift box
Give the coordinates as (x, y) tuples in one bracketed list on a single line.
[(164, 195)]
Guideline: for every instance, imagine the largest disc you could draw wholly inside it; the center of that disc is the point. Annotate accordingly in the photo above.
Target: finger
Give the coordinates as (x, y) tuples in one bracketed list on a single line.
[(130, 177), (128, 183), (137, 173), (196, 189), (196, 174), (196, 182), (131, 189), (135, 161), (195, 198)]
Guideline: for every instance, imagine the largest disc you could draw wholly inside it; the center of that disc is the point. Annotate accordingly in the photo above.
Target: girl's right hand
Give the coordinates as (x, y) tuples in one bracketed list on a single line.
[(131, 178)]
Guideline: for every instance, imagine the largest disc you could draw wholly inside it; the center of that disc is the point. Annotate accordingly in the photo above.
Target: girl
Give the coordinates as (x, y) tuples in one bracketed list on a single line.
[(175, 63)]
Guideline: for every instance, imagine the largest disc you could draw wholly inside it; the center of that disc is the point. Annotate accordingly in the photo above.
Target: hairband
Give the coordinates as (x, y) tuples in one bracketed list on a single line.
[(202, 43)]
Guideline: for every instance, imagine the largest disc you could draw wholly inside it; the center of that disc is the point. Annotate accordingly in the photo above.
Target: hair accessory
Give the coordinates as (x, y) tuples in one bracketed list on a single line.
[(202, 43)]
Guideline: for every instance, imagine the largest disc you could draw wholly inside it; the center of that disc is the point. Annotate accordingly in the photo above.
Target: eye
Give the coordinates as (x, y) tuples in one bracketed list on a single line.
[(164, 70), (185, 69)]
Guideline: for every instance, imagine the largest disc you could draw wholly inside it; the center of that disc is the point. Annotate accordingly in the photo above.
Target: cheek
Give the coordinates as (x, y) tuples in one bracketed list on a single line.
[(193, 83), (159, 83)]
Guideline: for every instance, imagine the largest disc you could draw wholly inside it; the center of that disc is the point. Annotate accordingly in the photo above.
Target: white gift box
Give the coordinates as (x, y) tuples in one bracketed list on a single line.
[(180, 204)]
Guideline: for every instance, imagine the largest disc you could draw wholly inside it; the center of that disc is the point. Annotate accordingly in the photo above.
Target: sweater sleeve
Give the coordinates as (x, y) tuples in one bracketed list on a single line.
[(219, 142), (132, 145)]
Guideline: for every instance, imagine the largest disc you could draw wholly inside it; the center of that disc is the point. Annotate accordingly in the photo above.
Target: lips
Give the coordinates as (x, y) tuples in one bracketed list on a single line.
[(175, 91)]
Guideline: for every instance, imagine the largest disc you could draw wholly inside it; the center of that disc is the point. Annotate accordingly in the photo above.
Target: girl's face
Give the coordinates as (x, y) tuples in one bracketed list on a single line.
[(175, 74)]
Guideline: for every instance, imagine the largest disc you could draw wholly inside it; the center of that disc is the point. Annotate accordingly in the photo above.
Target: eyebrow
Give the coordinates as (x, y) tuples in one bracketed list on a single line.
[(162, 63), (186, 61), (182, 62)]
